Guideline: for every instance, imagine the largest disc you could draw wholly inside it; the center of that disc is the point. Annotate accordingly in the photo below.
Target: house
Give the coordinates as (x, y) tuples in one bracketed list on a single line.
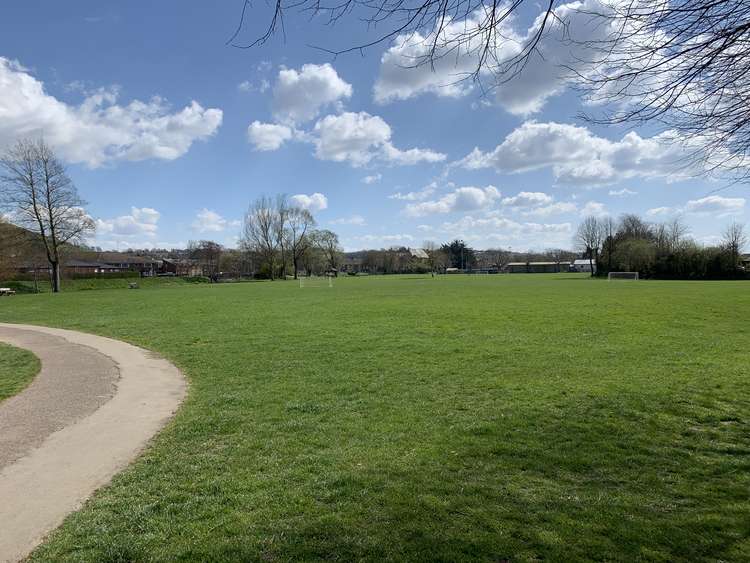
[(141, 264), (418, 253), (537, 267), (582, 265), (184, 267), (83, 267)]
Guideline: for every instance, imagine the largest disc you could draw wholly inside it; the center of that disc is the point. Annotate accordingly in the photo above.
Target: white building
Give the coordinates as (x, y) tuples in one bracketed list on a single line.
[(583, 265)]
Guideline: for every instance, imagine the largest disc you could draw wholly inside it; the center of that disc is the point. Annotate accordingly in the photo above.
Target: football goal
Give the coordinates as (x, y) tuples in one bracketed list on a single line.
[(315, 281), (622, 276)]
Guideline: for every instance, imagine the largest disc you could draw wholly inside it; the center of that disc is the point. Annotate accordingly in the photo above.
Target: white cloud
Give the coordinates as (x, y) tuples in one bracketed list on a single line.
[(420, 195), (661, 211), (356, 220), (528, 199), (268, 136), (622, 193), (713, 205), (594, 208), (467, 198), (299, 95), (576, 156), (493, 229), (207, 221), (551, 209), (358, 138), (314, 202), (556, 63), (247, 86), (372, 179), (99, 130), (716, 205), (142, 222)]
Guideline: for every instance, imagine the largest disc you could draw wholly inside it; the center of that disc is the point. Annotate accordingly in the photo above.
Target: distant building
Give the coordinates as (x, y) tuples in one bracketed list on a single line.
[(537, 267), (418, 253), (83, 267), (582, 265)]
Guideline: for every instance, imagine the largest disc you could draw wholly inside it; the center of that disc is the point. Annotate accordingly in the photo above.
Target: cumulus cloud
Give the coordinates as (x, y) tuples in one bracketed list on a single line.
[(420, 195), (141, 222), (528, 199), (99, 130), (578, 157), (557, 62), (207, 221), (493, 229), (299, 95), (268, 136), (594, 208), (467, 198), (359, 138), (712, 205), (558, 208), (313, 202)]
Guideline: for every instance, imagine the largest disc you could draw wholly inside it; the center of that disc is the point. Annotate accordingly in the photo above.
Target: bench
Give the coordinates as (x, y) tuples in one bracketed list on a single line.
[(7, 291)]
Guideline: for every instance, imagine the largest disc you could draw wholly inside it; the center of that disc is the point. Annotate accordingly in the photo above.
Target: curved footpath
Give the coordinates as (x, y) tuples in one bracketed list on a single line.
[(88, 413)]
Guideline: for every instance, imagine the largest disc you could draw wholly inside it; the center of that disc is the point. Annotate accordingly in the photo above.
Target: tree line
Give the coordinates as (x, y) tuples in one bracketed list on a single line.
[(660, 250)]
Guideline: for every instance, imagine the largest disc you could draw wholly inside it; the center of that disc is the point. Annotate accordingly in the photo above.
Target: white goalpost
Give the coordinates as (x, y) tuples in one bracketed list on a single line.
[(623, 276), (315, 281)]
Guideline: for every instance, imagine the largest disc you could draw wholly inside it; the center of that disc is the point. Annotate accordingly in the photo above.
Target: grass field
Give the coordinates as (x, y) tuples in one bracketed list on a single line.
[(17, 369), (514, 417)]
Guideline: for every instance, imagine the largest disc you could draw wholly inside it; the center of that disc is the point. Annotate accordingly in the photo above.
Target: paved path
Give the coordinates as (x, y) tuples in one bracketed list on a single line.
[(93, 407)]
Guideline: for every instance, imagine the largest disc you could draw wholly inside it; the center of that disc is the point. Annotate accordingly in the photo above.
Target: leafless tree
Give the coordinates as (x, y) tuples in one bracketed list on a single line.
[(300, 223), (208, 254), (589, 237), (40, 197), (328, 242), (282, 216), (683, 64), (260, 232), (735, 240)]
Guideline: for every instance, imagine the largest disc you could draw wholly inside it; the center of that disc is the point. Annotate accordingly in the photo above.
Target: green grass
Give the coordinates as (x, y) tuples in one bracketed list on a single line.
[(17, 369), (486, 418)]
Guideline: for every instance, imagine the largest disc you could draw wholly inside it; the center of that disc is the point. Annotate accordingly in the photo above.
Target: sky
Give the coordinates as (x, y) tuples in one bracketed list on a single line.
[(169, 133)]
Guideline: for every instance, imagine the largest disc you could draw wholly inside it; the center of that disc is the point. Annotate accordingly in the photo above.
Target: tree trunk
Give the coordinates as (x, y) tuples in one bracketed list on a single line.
[(591, 263), (294, 263), (55, 277)]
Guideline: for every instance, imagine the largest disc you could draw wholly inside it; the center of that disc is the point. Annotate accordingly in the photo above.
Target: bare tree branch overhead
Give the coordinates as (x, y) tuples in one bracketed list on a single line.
[(680, 65)]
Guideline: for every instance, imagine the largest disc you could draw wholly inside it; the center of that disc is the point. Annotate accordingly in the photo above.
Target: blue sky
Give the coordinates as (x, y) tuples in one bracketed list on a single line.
[(169, 133)]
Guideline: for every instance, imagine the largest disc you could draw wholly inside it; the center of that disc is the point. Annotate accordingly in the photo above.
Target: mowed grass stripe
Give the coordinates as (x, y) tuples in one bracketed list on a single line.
[(389, 418)]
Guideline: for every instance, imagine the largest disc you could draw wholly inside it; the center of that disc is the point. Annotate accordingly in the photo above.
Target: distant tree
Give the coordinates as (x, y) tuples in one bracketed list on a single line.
[(436, 257), (734, 240), (328, 242), (40, 196), (459, 254), (282, 210), (208, 255), (260, 232), (589, 238), (300, 224)]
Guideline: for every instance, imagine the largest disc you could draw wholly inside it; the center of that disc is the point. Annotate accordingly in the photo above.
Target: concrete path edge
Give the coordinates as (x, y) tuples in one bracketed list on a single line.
[(40, 489)]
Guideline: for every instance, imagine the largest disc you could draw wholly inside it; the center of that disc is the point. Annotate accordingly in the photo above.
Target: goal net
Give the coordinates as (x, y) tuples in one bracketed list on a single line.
[(315, 281), (622, 276)]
